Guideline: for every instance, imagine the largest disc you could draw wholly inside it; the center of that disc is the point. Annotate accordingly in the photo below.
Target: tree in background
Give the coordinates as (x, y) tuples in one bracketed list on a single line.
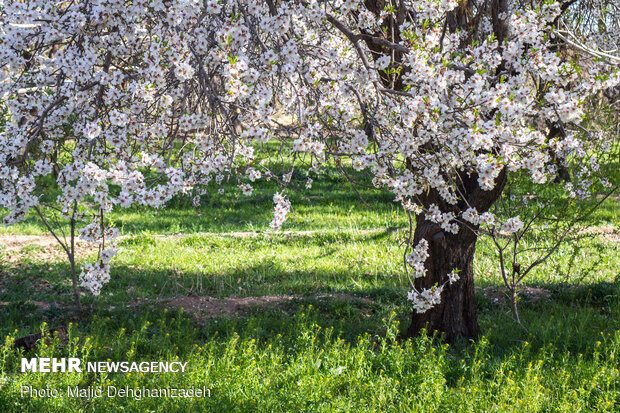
[(119, 103)]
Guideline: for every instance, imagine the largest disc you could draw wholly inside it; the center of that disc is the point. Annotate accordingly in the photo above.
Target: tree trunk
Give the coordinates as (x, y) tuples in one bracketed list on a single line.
[(455, 316)]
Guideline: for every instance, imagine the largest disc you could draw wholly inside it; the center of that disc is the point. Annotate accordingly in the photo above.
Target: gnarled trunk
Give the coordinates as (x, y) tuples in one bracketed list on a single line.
[(455, 316)]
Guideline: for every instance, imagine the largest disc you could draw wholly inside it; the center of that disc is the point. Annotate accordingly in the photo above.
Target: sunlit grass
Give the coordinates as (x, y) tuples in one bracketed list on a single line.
[(312, 353)]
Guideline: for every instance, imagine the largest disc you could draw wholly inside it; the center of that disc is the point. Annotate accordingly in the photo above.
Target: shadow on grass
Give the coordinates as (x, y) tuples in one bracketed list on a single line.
[(572, 318)]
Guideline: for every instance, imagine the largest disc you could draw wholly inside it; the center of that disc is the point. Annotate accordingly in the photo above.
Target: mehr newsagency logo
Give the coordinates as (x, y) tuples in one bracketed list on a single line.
[(75, 365)]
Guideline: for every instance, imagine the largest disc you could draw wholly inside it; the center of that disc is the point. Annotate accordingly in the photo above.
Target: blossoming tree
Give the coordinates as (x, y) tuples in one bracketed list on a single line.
[(125, 102)]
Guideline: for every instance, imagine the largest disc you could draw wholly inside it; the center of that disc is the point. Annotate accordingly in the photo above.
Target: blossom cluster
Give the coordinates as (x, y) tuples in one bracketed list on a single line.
[(282, 208), (417, 257), (95, 275), (426, 299)]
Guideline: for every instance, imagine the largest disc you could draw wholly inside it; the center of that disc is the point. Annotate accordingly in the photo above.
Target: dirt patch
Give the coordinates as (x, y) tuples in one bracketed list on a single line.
[(209, 307), (254, 234), (501, 294), (608, 232), (612, 197), (43, 247), (18, 242), (40, 305)]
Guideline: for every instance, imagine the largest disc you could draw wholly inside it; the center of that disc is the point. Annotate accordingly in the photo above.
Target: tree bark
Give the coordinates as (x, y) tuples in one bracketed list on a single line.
[(455, 316)]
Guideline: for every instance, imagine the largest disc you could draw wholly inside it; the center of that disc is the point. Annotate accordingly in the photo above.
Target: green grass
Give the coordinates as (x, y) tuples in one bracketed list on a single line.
[(330, 204), (312, 353), (315, 354), (303, 363)]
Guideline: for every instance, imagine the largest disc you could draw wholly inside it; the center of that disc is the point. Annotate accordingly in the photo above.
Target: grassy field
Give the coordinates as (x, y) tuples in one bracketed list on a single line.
[(326, 332)]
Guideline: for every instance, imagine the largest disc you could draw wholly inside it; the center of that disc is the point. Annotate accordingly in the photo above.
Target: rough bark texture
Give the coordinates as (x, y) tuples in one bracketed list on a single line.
[(455, 316)]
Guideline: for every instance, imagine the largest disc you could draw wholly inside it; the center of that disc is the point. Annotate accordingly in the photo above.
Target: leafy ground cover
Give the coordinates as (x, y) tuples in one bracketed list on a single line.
[(311, 319)]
